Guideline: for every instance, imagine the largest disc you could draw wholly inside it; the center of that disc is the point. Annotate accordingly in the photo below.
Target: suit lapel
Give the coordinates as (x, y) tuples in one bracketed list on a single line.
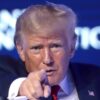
[(86, 81)]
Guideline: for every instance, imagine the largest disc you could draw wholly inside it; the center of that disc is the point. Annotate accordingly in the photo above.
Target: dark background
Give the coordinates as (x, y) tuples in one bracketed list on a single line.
[(88, 12)]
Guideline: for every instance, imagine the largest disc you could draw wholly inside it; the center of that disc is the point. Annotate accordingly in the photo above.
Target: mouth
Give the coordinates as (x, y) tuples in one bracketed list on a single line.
[(50, 72)]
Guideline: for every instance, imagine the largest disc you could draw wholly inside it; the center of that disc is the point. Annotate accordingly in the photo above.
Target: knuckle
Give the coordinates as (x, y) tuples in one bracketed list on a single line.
[(37, 92), (34, 76), (31, 75)]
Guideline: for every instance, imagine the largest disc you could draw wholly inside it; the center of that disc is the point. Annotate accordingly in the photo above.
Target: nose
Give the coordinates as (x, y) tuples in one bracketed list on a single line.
[(48, 58)]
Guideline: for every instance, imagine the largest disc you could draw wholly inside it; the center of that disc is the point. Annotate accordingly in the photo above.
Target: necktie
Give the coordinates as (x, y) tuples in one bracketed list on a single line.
[(54, 91)]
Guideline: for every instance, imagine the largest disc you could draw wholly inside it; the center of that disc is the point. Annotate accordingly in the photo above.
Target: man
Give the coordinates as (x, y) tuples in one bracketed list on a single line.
[(45, 40)]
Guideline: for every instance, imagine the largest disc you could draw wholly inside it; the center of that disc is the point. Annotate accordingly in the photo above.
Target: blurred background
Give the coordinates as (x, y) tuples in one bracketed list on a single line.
[(87, 30)]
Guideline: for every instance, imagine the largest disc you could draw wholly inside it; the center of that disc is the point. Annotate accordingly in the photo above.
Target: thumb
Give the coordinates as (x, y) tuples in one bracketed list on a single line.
[(47, 91)]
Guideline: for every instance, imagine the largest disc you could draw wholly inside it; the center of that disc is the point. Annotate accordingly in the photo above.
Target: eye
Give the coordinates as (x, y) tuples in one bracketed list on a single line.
[(36, 49), (56, 46)]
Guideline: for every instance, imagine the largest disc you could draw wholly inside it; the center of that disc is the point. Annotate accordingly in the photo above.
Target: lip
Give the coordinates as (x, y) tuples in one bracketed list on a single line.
[(50, 72)]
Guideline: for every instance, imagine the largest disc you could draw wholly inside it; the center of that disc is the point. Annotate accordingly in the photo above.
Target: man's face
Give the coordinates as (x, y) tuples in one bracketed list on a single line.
[(51, 53)]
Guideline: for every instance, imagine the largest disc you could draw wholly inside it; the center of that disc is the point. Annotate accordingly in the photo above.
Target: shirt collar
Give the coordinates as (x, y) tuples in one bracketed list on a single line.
[(67, 84)]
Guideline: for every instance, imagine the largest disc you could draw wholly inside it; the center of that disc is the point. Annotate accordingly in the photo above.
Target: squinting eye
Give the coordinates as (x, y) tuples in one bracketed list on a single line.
[(36, 49), (56, 46)]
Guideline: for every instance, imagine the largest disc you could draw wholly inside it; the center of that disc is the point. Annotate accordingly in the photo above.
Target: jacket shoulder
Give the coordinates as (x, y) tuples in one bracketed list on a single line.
[(85, 70)]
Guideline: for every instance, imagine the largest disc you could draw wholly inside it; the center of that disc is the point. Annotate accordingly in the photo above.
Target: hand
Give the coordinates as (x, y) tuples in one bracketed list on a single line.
[(35, 86)]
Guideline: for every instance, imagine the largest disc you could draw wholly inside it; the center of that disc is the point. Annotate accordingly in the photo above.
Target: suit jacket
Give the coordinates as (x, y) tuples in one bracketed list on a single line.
[(86, 77)]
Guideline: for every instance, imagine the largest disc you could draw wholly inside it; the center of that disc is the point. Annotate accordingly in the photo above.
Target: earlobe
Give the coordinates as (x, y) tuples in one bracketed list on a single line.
[(20, 51)]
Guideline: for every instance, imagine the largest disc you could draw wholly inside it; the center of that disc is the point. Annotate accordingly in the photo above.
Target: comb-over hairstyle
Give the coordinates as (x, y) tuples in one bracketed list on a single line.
[(36, 17)]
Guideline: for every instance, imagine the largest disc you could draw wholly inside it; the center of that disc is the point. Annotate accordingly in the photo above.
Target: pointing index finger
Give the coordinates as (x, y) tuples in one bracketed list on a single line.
[(45, 83)]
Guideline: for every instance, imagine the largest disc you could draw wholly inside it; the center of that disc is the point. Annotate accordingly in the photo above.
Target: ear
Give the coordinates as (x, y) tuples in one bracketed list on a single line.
[(20, 51), (73, 45)]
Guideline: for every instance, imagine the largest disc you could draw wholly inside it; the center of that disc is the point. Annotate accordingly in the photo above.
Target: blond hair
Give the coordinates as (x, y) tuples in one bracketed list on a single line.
[(36, 17)]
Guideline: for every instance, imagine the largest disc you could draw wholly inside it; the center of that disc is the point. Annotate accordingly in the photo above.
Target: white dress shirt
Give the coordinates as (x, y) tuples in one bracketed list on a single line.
[(67, 91)]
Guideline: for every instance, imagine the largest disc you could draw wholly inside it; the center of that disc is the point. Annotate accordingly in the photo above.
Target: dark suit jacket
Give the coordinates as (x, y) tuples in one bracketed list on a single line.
[(86, 77)]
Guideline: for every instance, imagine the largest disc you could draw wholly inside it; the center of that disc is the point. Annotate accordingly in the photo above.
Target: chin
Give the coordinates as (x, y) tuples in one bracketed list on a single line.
[(53, 81)]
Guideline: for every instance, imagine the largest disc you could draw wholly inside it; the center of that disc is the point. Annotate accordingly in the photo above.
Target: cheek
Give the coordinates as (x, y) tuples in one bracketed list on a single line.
[(62, 58), (62, 62), (32, 62)]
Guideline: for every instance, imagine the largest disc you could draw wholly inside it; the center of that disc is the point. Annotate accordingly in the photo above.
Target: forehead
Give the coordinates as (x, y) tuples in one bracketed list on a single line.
[(44, 37)]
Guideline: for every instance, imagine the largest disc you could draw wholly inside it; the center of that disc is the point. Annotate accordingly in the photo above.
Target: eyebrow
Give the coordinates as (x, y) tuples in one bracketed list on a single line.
[(36, 45)]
